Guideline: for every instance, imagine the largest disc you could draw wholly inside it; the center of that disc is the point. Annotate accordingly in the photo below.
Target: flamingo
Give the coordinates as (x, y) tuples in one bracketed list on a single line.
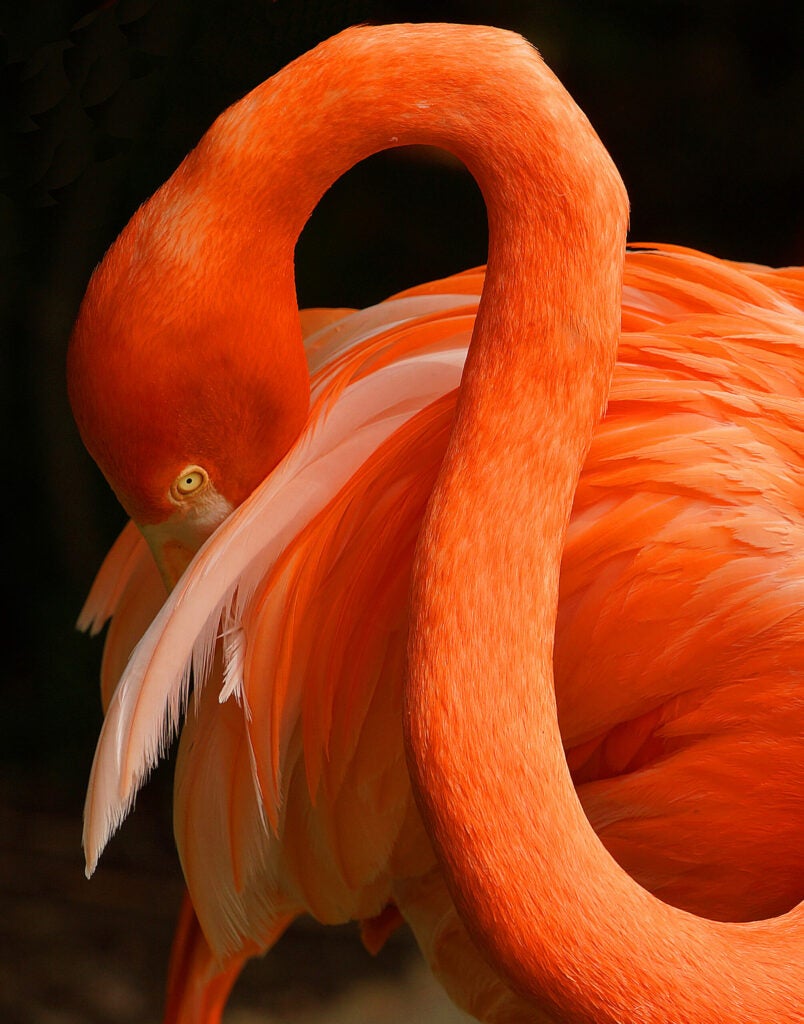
[(388, 591)]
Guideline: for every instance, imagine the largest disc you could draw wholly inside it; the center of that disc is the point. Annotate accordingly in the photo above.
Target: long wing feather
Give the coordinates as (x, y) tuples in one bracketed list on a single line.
[(348, 421), (112, 578)]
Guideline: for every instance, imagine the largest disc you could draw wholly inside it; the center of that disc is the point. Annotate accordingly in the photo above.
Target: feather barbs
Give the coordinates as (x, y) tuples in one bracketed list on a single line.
[(353, 415)]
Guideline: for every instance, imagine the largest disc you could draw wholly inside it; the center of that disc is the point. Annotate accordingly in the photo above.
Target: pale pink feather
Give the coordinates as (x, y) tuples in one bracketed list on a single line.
[(348, 421)]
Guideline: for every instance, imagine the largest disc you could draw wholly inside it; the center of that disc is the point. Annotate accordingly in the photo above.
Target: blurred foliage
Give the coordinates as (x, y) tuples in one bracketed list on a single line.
[(701, 105)]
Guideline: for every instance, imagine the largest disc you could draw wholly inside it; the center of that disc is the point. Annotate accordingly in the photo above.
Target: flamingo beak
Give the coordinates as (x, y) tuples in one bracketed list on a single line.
[(171, 554), (175, 541)]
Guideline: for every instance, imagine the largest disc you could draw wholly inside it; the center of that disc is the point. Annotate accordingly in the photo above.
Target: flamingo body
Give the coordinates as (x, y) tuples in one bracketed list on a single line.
[(685, 526), (315, 774)]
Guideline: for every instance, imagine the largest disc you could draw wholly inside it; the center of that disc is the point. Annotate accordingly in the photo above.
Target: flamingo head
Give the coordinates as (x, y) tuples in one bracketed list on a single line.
[(187, 387)]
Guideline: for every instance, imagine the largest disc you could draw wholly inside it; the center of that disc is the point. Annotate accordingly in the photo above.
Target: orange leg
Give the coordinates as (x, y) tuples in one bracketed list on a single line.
[(198, 984)]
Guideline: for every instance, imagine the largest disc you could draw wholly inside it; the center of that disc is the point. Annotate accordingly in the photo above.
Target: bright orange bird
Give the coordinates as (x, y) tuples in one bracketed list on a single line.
[(357, 750)]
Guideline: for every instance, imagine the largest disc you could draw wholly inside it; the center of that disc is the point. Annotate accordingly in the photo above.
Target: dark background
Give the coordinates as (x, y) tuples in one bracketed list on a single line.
[(701, 105)]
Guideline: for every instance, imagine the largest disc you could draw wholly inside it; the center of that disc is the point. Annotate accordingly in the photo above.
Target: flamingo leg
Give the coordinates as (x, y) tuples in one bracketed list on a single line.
[(198, 984)]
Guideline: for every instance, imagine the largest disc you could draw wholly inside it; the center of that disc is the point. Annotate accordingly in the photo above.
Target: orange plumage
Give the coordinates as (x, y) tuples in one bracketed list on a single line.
[(680, 619)]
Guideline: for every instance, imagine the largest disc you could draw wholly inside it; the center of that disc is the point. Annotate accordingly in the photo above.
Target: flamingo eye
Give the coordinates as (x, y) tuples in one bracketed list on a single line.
[(188, 482)]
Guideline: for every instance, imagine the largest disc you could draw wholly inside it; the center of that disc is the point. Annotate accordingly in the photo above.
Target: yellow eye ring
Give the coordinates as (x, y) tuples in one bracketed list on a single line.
[(189, 482)]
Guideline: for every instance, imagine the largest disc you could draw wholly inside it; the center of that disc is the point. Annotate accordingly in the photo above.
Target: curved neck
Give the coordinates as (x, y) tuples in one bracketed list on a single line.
[(555, 201), (553, 912)]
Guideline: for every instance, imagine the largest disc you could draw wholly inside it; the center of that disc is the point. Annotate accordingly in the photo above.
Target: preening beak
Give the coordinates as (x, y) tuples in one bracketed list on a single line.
[(175, 541), (171, 555)]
